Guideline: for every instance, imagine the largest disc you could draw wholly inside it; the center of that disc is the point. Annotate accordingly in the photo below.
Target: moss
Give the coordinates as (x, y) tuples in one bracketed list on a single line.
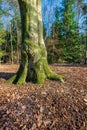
[(20, 77), (40, 77), (55, 76), (34, 64), (22, 73), (40, 74), (11, 80), (39, 69), (51, 74), (43, 52)]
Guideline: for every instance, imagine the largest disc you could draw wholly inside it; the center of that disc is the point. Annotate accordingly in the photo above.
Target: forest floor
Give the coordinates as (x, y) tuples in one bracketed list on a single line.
[(51, 106)]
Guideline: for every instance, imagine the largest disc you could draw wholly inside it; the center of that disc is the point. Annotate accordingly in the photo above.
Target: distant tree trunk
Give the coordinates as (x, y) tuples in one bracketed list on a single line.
[(34, 66), (18, 42), (86, 45), (11, 44)]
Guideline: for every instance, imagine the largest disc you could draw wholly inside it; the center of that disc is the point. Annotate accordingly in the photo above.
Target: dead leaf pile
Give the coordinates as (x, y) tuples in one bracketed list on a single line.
[(51, 106)]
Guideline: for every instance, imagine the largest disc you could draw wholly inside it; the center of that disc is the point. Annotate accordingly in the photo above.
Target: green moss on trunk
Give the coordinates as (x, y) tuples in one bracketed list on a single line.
[(34, 66)]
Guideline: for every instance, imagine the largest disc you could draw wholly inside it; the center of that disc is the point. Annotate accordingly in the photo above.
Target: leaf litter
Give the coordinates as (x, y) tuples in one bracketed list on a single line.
[(51, 106)]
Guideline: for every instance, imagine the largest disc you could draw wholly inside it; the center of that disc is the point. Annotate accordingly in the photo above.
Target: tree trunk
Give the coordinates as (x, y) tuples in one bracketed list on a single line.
[(34, 66), (11, 44)]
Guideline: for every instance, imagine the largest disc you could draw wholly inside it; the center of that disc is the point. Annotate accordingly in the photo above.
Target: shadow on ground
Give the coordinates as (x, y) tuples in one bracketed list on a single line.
[(6, 75), (70, 65)]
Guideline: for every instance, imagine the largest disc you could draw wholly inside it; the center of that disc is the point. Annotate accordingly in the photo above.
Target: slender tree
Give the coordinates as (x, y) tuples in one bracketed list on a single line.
[(84, 11), (70, 34), (2, 34), (34, 65)]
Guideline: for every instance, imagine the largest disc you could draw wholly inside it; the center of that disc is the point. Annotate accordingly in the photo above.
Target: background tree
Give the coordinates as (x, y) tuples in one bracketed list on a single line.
[(66, 31), (84, 17), (13, 30), (71, 48), (59, 50), (2, 43), (2, 34), (56, 36)]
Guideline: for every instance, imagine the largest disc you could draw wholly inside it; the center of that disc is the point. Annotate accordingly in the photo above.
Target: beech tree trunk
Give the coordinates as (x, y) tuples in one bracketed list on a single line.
[(34, 66)]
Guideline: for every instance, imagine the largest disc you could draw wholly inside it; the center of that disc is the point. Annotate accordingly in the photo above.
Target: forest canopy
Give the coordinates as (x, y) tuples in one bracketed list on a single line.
[(61, 19)]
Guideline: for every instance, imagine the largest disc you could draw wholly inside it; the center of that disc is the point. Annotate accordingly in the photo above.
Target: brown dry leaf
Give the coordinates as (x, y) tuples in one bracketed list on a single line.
[(51, 106)]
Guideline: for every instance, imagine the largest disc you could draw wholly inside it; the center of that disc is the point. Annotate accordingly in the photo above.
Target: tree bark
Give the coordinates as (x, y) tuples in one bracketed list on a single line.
[(34, 66)]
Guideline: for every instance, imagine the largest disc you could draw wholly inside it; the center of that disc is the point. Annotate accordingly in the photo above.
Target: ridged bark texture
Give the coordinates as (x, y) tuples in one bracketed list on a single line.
[(34, 66)]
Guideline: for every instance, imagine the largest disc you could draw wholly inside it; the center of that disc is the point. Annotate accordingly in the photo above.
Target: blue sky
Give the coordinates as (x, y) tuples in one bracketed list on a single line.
[(48, 9)]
